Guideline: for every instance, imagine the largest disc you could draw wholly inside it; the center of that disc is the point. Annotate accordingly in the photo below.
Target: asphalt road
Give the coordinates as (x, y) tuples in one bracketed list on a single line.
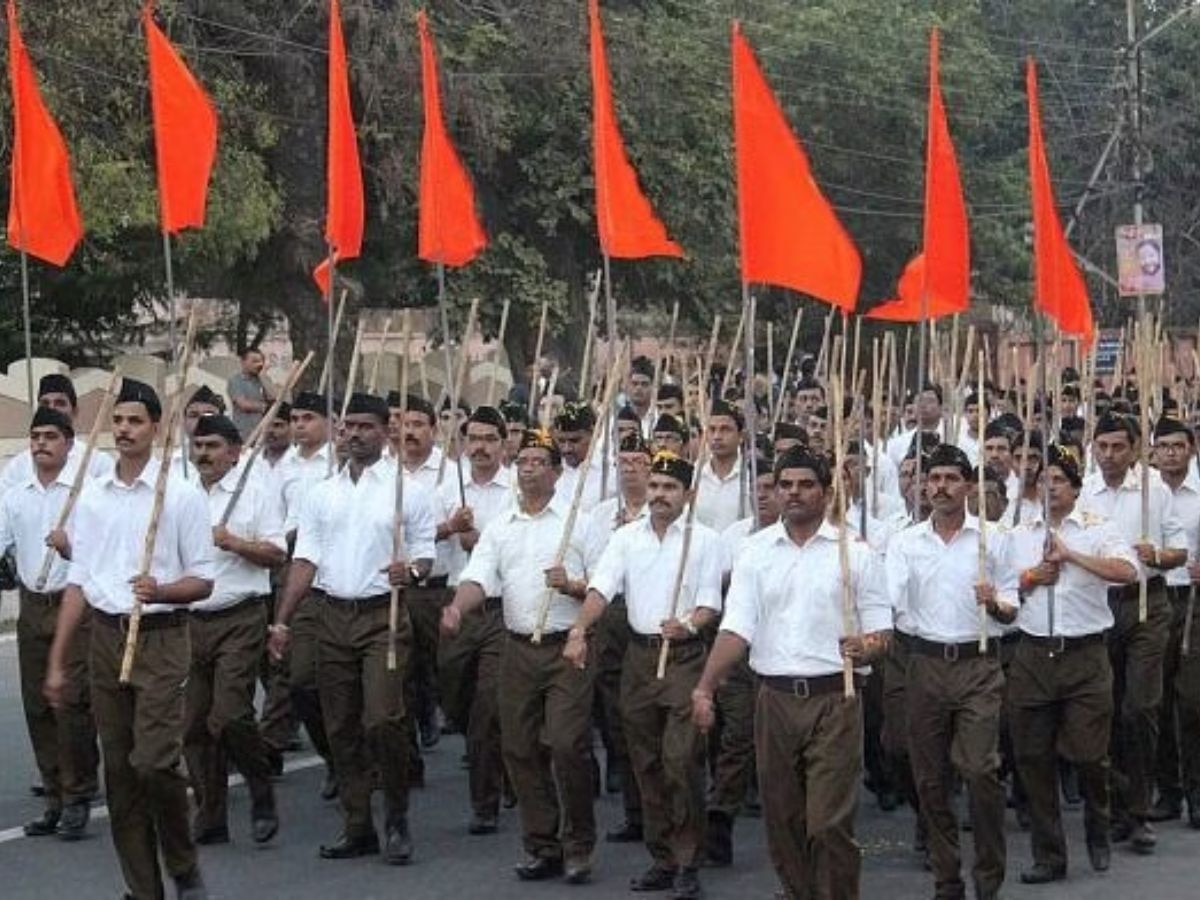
[(451, 864)]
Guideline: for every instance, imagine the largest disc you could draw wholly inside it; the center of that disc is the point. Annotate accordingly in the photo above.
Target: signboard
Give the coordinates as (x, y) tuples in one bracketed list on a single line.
[(1141, 268), (1107, 348)]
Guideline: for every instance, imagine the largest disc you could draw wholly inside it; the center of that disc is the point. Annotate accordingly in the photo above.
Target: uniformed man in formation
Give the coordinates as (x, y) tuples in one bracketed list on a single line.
[(675, 598)]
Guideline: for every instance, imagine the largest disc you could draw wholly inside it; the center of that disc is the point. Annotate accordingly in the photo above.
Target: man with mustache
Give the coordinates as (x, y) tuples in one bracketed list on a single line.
[(719, 499), (64, 740), (785, 604), (953, 690), (344, 553), (140, 723), (1060, 680), (545, 703), (1136, 648), (469, 663), (228, 632), (642, 562), (203, 402)]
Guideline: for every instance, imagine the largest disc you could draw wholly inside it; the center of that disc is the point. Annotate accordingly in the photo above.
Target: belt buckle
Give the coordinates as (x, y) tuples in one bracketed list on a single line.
[(1058, 644), (950, 652), (800, 688)]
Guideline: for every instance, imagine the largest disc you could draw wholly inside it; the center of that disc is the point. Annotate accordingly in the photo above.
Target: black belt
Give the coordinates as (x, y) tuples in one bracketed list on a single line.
[(149, 621), (41, 596), (209, 615), (1132, 591), (372, 602), (657, 640), (493, 604), (548, 637), (435, 582), (951, 652), (1179, 592), (1060, 643), (808, 687)]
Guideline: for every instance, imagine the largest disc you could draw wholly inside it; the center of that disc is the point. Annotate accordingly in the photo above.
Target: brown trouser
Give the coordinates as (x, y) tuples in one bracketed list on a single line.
[(219, 726), (1179, 716), (1060, 704), (141, 734), (425, 605), (546, 737), (665, 748), (610, 641), (275, 722), (953, 714), (734, 765), (1136, 650), (809, 752), (64, 740), (302, 674), (363, 705), (469, 667), (893, 733)]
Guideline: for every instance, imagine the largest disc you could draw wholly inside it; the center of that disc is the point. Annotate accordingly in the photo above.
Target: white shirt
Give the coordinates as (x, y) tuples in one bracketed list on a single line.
[(297, 475), (1186, 499), (512, 556), (593, 492), (108, 533), (20, 468), (487, 501), (878, 531), (1123, 507), (257, 517), (1080, 598), (897, 447), (734, 541), (785, 601), (28, 512), (719, 500), (1020, 510), (932, 582), (643, 567), (346, 530), (602, 522)]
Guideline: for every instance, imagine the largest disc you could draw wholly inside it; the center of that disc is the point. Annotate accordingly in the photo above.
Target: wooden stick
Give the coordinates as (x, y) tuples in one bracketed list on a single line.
[(664, 352), (81, 475), (564, 543), (709, 359), (849, 623), (822, 368), (1144, 337), (537, 358), (857, 387), (787, 364), (424, 376), (373, 381), (456, 389), (689, 523), (770, 372), (337, 327), (904, 378), (544, 417), (352, 375), (398, 525), (733, 349), (491, 391), (982, 576), (160, 491), (876, 394)]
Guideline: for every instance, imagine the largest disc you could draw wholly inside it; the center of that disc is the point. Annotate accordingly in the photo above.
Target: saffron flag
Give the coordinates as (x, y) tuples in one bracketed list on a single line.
[(790, 235), (344, 203), (185, 132), (43, 219), (449, 230), (629, 228), (1059, 289)]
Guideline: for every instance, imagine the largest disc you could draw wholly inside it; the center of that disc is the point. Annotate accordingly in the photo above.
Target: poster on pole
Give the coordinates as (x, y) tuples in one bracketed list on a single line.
[(1141, 268)]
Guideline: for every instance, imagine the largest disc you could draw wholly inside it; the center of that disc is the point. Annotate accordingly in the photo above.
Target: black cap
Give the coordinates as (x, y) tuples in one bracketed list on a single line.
[(310, 401), (205, 394), (133, 391), (947, 456), (44, 417), (1170, 425), (725, 408), (284, 411), (673, 466), (800, 457), (487, 415), (414, 403), (575, 417), (790, 431), (217, 426), (1068, 459), (627, 414), (55, 383), (367, 405), (1114, 422), (514, 413), (642, 365), (670, 392), (540, 438), (670, 425), (634, 443)]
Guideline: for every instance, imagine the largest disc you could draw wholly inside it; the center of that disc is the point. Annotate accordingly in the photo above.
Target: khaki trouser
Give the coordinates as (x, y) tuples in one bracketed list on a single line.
[(1060, 704), (302, 672), (275, 721), (954, 719), (64, 740), (1178, 769), (610, 641), (219, 719), (469, 666), (141, 734), (734, 764), (893, 733), (809, 752), (546, 737), (363, 706), (665, 748), (1136, 651), (425, 605)]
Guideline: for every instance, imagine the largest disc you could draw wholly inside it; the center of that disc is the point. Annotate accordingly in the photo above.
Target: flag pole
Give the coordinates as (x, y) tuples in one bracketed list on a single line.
[(332, 259), (444, 313), (169, 267), (28, 326), (920, 386), (610, 315), (749, 459), (1040, 327)]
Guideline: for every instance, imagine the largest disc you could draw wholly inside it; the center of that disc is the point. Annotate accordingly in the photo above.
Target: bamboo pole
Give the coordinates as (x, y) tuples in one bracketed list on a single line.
[(849, 619), (355, 357), (709, 358), (1144, 333), (589, 341), (664, 354), (337, 326), (373, 381), (398, 525), (876, 394), (491, 391), (770, 372), (787, 363), (822, 368), (733, 349), (982, 487), (537, 359)]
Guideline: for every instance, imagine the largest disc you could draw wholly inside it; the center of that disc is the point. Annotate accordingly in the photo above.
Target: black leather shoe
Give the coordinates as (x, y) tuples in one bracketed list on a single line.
[(329, 787), (627, 833), (275, 762), (264, 825), (346, 847), (578, 871), (612, 779), (1142, 838), (1167, 809), (431, 734), (718, 840), (1193, 805), (398, 846), (656, 878), (73, 824), (46, 825), (1100, 856), (191, 886), (888, 800), (687, 885), (539, 868), (482, 825), (217, 834), (1042, 873), (37, 790), (1120, 831)]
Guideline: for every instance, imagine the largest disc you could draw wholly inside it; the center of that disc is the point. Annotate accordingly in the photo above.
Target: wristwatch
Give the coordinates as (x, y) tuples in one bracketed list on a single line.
[(414, 575)]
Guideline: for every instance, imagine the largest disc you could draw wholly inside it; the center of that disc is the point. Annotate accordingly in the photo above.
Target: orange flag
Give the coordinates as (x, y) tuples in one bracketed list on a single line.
[(629, 228), (790, 235), (343, 187), (942, 271), (1059, 289), (43, 219), (185, 132), (449, 230)]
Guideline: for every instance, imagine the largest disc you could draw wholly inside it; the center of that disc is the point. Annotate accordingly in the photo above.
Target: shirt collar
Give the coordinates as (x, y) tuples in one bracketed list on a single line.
[(970, 523), (557, 505), (778, 533), (148, 476)]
